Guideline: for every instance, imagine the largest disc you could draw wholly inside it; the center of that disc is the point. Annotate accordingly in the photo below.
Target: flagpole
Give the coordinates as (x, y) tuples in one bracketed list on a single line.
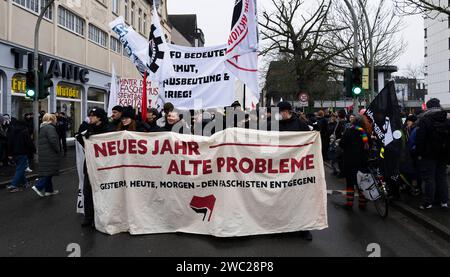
[(244, 99)]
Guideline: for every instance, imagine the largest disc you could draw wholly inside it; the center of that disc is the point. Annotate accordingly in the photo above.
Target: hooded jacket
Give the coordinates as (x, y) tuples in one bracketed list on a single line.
[(431, 120), (19, 140)]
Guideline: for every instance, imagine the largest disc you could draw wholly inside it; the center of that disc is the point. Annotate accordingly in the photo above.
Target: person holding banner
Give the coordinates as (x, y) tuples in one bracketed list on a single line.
[(116, 115), (290, 122), (98, 124), (355, 144), (128, 122), (152, 117)]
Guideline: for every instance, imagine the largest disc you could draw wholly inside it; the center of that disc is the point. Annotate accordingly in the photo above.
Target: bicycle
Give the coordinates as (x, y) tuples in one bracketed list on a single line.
[(381, 201)]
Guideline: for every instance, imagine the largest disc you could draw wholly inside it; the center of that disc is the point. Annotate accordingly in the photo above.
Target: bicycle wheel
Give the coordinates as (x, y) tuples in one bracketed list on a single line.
[(382, 203)]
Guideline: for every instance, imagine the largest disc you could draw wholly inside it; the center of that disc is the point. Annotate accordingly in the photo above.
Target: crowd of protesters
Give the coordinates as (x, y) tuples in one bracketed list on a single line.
[(347, 139)]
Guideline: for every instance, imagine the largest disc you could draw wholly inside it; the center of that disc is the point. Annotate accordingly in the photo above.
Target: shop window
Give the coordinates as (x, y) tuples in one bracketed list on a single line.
[(96, 98), (68, 101)]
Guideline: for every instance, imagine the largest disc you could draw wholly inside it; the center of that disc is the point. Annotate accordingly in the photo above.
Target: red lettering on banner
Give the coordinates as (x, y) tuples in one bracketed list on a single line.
[(260, 166), (284, 166), (270, 168), (309, 162), (193, 148), (231, 164), (132, 146), (166, 147), (220, 164), (122, 150), (207, 168), (249, 168), (112, 148), (100, 150), (142, 145), (173, 167), (180, 146)]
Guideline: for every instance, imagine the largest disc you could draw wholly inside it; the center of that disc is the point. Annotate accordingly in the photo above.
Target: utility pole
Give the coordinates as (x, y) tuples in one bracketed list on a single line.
[(372, 66), (355, 46), (36, 76)]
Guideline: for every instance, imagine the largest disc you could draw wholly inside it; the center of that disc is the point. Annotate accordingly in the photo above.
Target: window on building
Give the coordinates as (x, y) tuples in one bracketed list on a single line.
[(115, 6), (425, 32), (35, 7), (70, 21), (126, 10), (132, 13), (97, 36), (115, 45), (102, 1), (426, 51), (140, 20), (145, 23)]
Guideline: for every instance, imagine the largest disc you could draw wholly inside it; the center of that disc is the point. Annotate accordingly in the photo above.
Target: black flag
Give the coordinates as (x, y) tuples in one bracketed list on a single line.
[(384, 112)]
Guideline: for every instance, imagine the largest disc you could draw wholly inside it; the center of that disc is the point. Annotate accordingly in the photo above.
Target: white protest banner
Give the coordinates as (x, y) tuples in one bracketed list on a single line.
[(224, 185), (130, 93), (201, 79)]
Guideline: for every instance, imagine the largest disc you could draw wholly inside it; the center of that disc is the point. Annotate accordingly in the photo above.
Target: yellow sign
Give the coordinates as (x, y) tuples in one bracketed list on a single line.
[(68, 92), (18, 84), (365, 78)]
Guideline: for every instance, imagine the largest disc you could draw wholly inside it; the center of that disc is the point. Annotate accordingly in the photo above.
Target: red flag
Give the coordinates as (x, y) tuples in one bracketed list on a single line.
[(144, 99)]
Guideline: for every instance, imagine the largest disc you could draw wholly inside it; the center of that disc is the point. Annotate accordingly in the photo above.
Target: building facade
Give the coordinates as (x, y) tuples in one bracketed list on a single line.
[(76, 47), (437, 57)]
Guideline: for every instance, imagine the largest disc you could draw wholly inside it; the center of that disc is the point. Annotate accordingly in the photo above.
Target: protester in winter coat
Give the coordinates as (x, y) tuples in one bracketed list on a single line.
[(19, 147), (98, 124), (289, 120), (128, 121), (175, 124), (432, 148), (49, 156), (322, 124), (152, 117), (61, 128), (116, 116), (355, 144), (332, 137)]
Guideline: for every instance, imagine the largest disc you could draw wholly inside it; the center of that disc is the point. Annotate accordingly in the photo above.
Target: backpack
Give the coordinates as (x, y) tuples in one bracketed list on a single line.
[(439, 138)]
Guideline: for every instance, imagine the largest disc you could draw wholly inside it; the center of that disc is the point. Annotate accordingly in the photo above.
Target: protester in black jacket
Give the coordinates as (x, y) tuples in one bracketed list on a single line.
[(20, 146), (152, 117), (116, 116), (432, 149), (289, 120), (355, 144), (98, 124)]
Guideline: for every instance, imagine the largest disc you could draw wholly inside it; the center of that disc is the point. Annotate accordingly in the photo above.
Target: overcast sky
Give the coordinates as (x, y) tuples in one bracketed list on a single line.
[(214, 18)]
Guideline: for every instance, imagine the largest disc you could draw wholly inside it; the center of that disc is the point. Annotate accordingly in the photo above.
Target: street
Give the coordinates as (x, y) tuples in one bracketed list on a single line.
[(34, 226)]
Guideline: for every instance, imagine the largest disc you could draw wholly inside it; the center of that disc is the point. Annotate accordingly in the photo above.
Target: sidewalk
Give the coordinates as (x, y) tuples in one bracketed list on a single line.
[(67, 163), (436, 219)]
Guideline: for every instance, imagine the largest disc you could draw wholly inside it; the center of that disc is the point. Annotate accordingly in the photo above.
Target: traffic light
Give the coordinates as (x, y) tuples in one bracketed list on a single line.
[(45, 81), (357, 81), (30, 86), (348, 82)]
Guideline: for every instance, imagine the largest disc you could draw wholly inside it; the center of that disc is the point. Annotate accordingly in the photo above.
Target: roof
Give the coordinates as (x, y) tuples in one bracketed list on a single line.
[(186, 24)]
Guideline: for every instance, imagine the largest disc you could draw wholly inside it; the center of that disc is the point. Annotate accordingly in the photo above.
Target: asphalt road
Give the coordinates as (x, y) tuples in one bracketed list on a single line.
[(33, 226)]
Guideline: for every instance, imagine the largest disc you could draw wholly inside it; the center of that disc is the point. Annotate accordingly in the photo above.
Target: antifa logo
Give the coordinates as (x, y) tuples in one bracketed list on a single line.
[(153, 50), (203, 204)]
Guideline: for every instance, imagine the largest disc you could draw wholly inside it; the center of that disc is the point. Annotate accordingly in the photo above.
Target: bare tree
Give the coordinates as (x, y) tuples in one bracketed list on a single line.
[(301, 37), (430, 8), (415, 71), (385, 26)]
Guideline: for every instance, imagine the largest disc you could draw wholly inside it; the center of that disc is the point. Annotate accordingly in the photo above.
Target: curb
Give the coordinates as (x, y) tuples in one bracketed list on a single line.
[(33, 176), (431, 224)]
